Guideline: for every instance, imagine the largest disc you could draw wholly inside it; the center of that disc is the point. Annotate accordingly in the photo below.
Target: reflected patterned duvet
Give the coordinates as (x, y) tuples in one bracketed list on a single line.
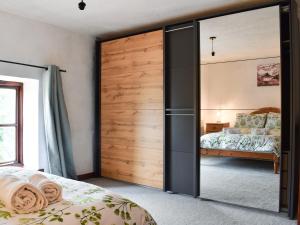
[(241, 142)]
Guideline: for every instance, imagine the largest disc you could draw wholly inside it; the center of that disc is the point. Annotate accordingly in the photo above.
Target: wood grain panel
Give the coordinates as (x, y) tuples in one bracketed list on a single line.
[(132, 109), (135, 42), (132, 63), (139, 165), (135, 60), (145, 77), (134, 128)]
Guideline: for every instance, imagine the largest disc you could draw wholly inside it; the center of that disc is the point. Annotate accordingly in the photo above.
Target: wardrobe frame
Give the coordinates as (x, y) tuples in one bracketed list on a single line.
[(293, 164)]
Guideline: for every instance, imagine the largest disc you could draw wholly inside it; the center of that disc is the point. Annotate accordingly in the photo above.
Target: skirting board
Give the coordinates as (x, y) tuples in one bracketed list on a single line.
[(86, 176)]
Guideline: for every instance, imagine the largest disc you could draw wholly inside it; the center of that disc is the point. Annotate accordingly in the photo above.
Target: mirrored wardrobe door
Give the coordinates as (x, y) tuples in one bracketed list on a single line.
[(240, 108)]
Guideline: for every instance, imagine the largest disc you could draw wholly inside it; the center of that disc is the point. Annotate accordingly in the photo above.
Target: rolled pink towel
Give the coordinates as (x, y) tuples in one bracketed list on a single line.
[(51, 190), (20, 195)]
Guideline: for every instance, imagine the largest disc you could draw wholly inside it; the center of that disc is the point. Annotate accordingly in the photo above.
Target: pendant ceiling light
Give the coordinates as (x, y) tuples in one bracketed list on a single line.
[(81, 5), (213, 53)]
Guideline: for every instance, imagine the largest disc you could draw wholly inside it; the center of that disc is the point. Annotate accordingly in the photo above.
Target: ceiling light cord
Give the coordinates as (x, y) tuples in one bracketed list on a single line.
[(213, 53)]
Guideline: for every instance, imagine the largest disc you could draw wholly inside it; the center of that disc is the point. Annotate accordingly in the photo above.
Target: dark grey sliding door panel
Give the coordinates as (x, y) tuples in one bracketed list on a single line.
[(181, 173), (181, 109), (295, 111), (290, 108), (180, 88), (285, 105), (180, 134)]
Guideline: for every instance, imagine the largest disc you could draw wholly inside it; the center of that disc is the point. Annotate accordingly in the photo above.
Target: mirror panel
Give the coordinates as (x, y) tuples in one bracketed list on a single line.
[(240, 108)]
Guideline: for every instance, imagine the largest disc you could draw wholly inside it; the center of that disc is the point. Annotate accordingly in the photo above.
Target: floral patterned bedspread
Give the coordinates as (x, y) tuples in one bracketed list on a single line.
[(83, 204), (241, 142)]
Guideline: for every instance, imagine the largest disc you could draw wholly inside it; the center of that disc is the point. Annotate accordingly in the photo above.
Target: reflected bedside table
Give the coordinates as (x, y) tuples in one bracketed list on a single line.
[(215, 127)]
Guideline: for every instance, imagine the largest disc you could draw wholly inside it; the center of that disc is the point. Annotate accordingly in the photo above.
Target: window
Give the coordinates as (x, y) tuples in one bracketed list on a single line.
[(11, 123)]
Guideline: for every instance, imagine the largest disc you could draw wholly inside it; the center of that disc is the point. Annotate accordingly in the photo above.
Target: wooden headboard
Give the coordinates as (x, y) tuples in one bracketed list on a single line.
[(266, 110)]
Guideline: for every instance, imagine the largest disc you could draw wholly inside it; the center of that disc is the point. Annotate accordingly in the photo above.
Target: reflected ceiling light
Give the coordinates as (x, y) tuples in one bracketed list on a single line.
[(81, 5), (213, 53)]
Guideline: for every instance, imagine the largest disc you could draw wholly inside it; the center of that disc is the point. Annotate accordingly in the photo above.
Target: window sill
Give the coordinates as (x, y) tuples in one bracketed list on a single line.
[(12, 164)]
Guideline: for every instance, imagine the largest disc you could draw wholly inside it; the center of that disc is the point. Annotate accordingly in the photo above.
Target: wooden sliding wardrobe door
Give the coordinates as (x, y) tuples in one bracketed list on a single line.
[(132, 109)]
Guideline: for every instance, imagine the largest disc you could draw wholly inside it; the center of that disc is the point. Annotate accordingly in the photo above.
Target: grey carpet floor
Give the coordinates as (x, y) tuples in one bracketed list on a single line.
[(240, 181), (171, 209)]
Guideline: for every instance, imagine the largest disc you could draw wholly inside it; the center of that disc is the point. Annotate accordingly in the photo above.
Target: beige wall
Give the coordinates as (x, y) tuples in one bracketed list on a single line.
[(33, 42), (234, 86)]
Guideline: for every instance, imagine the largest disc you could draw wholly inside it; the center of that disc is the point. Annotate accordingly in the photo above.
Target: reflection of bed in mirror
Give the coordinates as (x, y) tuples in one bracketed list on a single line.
[(259, 146)]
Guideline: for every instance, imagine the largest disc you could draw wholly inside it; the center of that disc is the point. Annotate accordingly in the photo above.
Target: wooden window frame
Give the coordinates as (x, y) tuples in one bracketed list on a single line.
[(19, 121)]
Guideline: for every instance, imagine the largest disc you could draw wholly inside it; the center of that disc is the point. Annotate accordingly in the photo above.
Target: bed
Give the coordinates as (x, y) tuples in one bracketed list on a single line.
[(260, 147), (83, 204)]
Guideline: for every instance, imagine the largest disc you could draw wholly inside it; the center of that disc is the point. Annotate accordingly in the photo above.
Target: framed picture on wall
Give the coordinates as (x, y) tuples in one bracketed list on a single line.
[(268, 74)]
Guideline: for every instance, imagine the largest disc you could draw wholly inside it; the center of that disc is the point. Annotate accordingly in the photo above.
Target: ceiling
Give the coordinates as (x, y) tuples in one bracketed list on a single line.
[(106, 18), (247, 35)]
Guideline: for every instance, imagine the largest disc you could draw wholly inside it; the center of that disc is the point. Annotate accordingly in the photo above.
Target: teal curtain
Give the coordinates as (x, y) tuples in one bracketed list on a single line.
[(57, 128)]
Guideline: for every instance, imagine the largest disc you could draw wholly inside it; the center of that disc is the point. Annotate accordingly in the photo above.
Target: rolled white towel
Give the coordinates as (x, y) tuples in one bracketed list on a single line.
[(20, 195), (51, 190)]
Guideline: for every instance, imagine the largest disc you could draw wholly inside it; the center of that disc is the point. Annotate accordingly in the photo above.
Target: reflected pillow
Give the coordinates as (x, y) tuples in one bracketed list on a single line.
[(231, 131), (274, 132), (259, 131), (244, 120), (245, 130), (273, 121)]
